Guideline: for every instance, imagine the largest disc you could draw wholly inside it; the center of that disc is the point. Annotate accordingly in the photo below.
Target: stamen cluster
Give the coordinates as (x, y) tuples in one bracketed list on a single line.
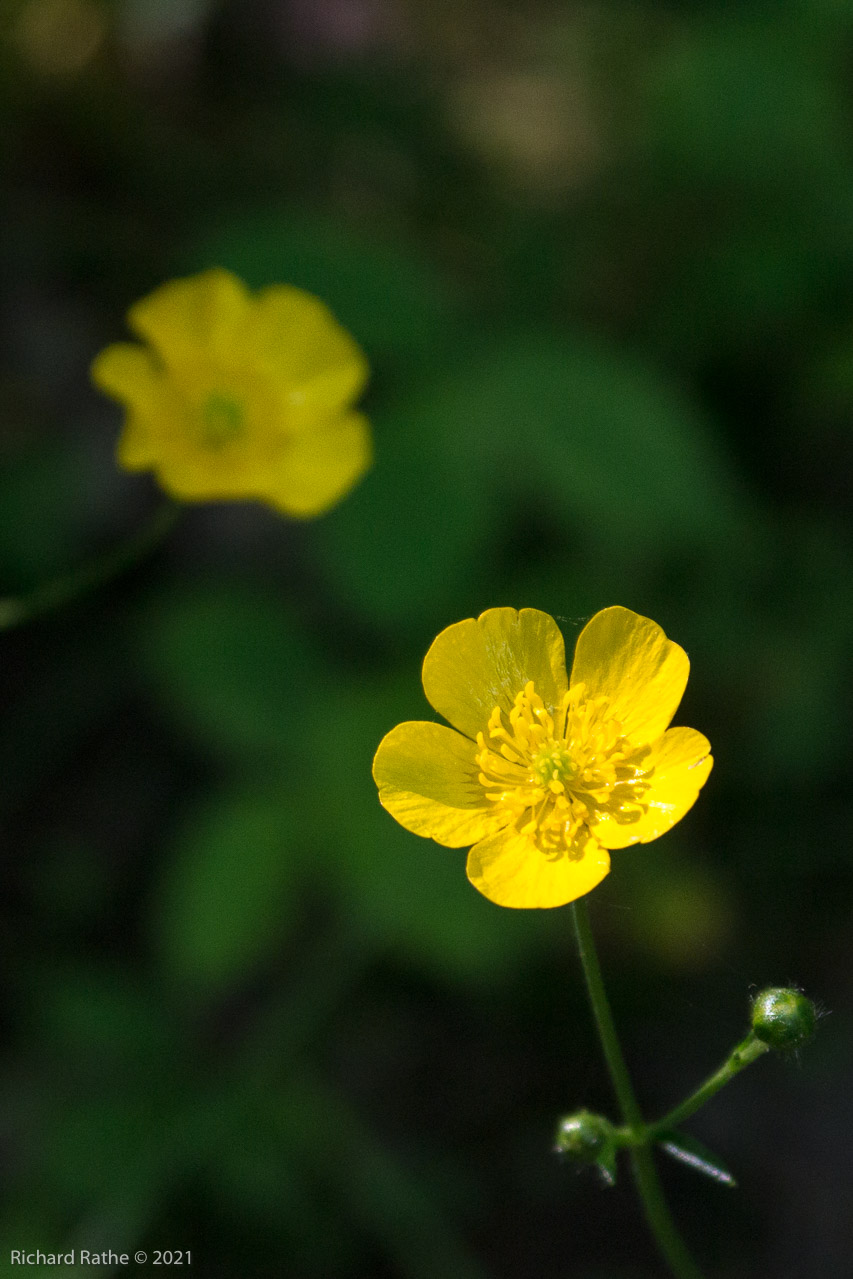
[(556, 773)]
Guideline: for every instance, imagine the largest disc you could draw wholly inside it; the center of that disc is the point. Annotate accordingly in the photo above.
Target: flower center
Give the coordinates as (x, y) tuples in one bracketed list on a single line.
[(553, 764), (222, 419), (554, 774)]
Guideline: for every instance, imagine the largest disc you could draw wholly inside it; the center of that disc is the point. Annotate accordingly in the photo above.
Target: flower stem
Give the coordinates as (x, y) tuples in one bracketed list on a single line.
[(657, 1213), (79, 582), (746, 1052)]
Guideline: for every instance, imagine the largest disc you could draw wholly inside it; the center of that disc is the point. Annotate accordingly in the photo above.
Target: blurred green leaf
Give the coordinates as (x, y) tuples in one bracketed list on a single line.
[(748, 119), (228, 894), (409, 542), (750, 96), (614, 445), (229, 665), (104, 1016), (758, 282), (593, 431), (541, 422)]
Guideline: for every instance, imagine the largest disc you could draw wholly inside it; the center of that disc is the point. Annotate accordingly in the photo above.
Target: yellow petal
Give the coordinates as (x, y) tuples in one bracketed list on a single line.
[(200, 475), (511, 871), (481, 663), (682, 761), (188, 481), (628, 659), (301, 345), (127, 372), (137, 449), (427, 779), (204, 312), (319, 467)]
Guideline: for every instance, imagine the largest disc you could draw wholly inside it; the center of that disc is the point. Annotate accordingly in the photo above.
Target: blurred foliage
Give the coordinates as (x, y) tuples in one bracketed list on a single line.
[(601, 258)]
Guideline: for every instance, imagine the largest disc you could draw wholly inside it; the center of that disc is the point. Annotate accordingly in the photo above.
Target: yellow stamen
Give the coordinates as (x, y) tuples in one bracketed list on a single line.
[(555, 772)]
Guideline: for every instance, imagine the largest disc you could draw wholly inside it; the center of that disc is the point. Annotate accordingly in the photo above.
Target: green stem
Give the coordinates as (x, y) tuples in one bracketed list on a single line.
[(657, 1213), (746, 1052), (16, 611)]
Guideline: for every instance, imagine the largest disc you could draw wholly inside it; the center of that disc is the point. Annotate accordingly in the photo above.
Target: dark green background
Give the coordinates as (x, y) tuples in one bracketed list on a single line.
[(601, 258)]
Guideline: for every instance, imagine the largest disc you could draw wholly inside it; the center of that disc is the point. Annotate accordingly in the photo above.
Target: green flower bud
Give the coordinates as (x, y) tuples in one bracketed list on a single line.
[(585, 1137), (783, 1017)]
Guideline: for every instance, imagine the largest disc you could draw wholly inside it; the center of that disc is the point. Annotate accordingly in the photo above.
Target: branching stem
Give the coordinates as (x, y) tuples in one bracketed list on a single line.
[(746, 1052), (655, 1207)]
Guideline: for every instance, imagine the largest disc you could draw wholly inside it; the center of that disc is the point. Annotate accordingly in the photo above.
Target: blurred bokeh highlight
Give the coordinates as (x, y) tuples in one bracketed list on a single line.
[(600, 256)]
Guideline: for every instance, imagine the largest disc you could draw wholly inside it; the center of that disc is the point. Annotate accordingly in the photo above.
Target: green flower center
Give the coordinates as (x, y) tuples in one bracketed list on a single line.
[(553, 764), (222, 420)]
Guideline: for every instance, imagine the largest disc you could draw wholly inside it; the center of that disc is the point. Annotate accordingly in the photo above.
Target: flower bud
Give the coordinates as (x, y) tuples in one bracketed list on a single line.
[(585, 1137), (783, 1017)]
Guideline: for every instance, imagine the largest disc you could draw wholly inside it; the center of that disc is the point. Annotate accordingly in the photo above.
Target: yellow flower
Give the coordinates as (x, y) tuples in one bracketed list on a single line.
[(240, 395), (545, 773)]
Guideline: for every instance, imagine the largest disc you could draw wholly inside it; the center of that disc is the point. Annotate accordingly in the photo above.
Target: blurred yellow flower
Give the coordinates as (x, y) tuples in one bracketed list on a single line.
[(545, 773), (240, 395)]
